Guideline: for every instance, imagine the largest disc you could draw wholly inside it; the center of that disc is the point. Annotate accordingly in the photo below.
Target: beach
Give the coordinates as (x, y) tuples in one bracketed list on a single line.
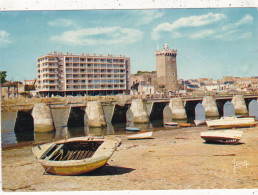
[(175, 159)]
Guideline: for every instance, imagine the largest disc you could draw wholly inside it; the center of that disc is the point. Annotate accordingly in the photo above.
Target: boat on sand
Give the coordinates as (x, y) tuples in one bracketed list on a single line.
[(200, 122), (133, 129), (141, 135), (168, 124), (75, 155), (185, 125), (231, 122), (225, 137)]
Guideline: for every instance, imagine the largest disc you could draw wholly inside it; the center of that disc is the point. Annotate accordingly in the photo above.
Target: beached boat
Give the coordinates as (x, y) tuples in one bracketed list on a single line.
[(142, 135), (225, 137), (133, 129), (200, 122), (171, 124), (185, 125), (231, 122), (75, 155)]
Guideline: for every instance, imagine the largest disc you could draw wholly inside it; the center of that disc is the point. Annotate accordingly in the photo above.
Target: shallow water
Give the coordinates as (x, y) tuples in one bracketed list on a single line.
[(12, 139)]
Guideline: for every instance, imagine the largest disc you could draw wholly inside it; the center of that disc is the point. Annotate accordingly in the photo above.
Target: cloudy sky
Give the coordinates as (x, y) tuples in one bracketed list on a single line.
[(211, 43)]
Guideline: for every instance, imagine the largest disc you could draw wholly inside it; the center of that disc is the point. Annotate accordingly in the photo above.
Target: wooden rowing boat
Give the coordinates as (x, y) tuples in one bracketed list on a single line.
[(75, 155), (142, 135), (133, 129), (231, 122), (225, 137)]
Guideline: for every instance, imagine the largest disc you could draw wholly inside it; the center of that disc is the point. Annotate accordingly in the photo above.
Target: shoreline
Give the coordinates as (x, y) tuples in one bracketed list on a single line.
[(176, 159)]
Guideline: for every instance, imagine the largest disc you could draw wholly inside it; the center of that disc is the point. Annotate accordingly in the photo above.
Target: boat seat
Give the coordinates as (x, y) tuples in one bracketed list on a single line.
[(54, 152)]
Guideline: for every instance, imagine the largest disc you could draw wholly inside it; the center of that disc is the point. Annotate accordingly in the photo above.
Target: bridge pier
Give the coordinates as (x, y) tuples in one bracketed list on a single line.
[(95, 114), (209, 104), (43, 120), (139, 110), (239, 103), (177, 108)]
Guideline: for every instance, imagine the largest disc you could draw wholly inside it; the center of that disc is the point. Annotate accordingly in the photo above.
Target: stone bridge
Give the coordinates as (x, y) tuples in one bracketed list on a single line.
[(40, 117)]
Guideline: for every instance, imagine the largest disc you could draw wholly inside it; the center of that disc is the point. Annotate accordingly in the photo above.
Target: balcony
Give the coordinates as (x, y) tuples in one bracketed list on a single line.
[(50, 72)]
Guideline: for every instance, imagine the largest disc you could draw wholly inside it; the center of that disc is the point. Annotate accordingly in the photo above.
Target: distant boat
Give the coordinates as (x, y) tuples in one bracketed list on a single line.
[(171, 124), (185, 125), (231, 122), (199, 122), (225, 137), (142, 135), (75, 155), (133, 128)]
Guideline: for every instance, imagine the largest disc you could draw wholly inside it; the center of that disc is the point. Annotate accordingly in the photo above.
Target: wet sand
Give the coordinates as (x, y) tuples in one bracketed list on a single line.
[(174, 159)]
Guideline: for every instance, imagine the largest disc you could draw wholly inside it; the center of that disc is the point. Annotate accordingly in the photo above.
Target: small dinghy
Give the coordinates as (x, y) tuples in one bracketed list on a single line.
[(185, 125), (133, 129), (168, 124), (231, 122), (142, 135), (200, 122), (75, 155), (224, 137)]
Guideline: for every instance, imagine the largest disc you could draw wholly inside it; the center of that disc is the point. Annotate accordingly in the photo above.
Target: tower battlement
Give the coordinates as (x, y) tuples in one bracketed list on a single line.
[(166, 51)]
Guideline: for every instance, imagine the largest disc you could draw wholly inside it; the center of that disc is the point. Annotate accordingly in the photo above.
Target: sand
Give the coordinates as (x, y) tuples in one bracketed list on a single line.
[(174, 159)]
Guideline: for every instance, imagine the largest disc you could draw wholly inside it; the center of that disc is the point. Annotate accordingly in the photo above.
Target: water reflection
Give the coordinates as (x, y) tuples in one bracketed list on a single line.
[(44, 137)]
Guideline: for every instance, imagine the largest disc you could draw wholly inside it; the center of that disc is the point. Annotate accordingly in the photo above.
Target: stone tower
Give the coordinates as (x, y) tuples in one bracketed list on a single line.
[(166, 69)]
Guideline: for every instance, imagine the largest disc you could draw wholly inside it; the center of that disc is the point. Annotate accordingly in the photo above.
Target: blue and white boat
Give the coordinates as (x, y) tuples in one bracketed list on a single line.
[(133, 129)]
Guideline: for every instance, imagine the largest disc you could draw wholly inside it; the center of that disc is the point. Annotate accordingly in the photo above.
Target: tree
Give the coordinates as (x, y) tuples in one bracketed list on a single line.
[(3, 76)]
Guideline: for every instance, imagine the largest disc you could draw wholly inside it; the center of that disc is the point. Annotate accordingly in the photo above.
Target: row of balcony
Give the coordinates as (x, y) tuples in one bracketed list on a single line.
[(102, 60), (95, 87), (95, 82), (95, 71), (108, 87), (84, 77), (96, 67)]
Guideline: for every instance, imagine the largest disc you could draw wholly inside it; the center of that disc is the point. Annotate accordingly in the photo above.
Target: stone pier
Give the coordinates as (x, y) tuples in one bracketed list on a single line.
[(239, 103), (177, 108), (42, 116), (95, 114), (209, 104), (139, 110)]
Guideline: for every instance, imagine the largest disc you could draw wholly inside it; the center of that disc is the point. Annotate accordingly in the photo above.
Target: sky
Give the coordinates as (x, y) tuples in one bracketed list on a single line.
[(211, 43)]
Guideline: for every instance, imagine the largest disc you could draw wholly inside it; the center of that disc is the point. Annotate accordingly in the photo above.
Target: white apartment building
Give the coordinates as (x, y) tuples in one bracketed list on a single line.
[(69, 74)]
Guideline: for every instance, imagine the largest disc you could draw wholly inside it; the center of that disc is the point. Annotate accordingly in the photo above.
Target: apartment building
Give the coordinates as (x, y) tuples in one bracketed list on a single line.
[(69, 74)]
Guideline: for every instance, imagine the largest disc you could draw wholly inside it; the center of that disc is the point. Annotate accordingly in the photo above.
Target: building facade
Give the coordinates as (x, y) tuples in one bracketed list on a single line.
[(144, 82), (166, 67), (9, 90), (69, 74)]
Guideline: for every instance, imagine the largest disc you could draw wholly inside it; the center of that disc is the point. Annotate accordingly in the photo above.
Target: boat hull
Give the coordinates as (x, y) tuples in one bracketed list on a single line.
[(76, 165), (231, 122), (225, 137), (171, 124), (199, 122), (132, 129), (74, 169), (185, 125), (142, 135)]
